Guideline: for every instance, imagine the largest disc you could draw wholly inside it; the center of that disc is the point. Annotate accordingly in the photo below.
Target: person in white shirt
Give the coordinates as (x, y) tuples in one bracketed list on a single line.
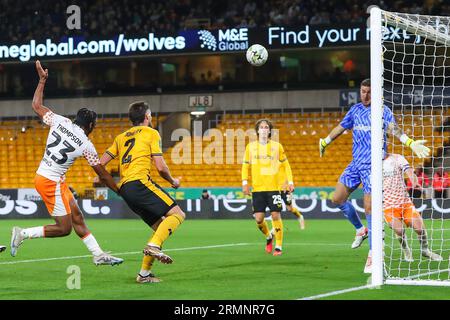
[(398, 207), (66, 142)]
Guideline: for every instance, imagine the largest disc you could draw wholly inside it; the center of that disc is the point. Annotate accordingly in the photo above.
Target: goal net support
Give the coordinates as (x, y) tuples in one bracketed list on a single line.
[(410, 74)]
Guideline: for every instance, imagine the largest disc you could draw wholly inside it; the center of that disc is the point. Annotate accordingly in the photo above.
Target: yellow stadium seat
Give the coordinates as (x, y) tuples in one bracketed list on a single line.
[(299, 134)]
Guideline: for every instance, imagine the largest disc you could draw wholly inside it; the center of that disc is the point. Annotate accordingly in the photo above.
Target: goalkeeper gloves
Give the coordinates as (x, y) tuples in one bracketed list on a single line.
[(323, 143), (417, 147)]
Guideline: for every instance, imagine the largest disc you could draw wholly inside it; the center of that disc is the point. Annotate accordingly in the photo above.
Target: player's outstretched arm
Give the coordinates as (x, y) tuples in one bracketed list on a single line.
[(37, 105), (105, 177), (105, 159), (334, 134), (417, 146), (164, 171), (413, 178)]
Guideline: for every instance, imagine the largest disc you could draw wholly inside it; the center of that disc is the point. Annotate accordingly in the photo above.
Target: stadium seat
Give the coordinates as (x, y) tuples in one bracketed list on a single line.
[(299, 134)]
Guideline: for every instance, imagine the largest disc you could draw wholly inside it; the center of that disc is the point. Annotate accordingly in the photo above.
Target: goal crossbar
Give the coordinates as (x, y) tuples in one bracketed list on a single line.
[(416, 27)]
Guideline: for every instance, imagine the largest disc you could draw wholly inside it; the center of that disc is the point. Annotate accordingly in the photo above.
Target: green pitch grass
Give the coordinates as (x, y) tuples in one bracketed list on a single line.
[(213, 259)]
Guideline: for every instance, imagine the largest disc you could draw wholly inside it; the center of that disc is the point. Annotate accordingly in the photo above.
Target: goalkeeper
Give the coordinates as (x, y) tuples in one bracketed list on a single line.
[(358, 171)]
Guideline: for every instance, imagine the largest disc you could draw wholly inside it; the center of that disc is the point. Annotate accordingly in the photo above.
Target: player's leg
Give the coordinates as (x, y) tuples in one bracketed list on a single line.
[(287, 198), (79, 226), (278, 227), (349, 181), (298, 214), (368, 211), (57, 207), (414, 220), (259, 205), (151, 203), (145, 274), (340, 198), (158, 210), (163, 229), (273, 200), (127, 191), (262, 225), (394, 218), (61, 228), (364, 175)]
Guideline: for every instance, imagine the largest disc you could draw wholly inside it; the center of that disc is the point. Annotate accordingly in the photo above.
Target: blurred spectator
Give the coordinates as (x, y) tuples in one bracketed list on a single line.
[(423, 180), (23, 20), (205, 194), (189, 78), (203, 79), (338, 76), (440, 183)]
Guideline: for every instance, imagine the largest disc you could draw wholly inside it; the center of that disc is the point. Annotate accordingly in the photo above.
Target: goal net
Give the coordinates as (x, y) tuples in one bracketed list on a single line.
[(410, 66)]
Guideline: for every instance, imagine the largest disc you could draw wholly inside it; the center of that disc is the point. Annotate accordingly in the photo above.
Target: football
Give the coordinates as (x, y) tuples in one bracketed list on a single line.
[(257, 55)]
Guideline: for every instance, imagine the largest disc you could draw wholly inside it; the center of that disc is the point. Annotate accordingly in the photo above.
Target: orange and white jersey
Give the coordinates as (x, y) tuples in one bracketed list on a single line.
[(395, 193), (65, 143)]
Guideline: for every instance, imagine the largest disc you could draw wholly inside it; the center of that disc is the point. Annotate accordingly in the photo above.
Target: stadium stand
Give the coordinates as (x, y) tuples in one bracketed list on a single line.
[(298, 132), (20, 17), (25, 143)]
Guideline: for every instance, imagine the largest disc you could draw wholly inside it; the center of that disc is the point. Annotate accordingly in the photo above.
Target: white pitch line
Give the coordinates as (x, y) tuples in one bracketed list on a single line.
[(126, 253), (334, 293), (317, 244), (174, 249), (426, 274)]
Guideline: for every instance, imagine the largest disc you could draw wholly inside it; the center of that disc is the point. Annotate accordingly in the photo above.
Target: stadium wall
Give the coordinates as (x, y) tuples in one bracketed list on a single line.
[(208, 209), (179, 120), (286, 99)]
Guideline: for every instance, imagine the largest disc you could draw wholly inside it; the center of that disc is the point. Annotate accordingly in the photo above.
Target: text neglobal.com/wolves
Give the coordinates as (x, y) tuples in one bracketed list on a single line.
[(122, 45)]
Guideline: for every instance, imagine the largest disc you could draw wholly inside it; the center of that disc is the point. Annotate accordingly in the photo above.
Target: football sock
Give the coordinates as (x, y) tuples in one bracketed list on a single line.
[(360, 230), (278, 225), (403, 241), (295, 211), (165, 229), (350, 213), (264, 227), (92, 245), (423, 240), (30, 233), (146, 267)]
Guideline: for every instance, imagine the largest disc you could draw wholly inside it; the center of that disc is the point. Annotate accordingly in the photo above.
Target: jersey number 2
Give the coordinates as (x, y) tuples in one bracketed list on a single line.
[(126, 157)]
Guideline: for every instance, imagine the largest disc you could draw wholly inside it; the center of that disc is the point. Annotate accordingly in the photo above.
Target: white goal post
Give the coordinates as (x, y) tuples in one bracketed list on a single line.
[(410, 74)]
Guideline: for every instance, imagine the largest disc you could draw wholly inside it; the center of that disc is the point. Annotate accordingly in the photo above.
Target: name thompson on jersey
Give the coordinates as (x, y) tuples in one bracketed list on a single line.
[(70, 135), (65, 143)]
